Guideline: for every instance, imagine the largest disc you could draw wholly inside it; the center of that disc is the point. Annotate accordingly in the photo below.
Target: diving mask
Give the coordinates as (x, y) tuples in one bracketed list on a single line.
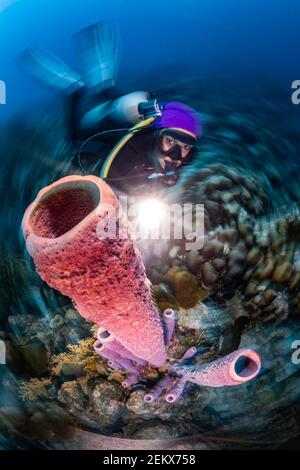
[(178, 148)]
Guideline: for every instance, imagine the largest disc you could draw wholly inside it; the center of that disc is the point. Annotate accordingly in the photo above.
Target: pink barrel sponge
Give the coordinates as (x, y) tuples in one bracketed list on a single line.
[(105, 277)]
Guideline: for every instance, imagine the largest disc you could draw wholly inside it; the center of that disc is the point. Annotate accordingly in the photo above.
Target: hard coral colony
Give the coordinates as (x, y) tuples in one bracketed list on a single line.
[(105, 278)]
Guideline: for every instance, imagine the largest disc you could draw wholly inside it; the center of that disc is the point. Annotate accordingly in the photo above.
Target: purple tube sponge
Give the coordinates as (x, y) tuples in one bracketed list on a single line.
[(130, 380), (110, 343), (234, 369), (114, 357), (168, 324), (114, 365), (158, 389), (175, 392), (189, 354)]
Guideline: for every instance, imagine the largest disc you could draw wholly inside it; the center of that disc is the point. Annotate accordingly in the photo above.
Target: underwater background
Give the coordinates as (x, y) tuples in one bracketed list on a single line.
[(234, 62)]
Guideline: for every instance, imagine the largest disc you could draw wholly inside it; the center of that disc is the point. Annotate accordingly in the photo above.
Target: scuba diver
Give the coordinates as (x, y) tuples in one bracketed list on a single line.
[(141, 141)]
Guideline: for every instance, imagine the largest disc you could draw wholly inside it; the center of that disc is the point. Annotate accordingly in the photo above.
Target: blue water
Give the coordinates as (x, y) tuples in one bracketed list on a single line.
[(243, 42)]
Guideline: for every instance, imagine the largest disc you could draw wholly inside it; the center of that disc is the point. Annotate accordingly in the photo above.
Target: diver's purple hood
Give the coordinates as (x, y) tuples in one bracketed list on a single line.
[(179, 117)]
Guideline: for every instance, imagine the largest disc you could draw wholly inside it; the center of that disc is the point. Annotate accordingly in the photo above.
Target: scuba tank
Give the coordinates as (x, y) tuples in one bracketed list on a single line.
[(126, 110)]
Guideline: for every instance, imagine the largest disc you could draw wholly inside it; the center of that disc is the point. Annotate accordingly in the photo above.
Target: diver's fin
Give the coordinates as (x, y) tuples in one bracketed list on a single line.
[(50, 70), (99, 49)]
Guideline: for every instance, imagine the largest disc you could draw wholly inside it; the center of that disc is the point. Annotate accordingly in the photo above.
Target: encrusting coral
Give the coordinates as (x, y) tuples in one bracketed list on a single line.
[(35, 389), (78, 355), (243, 248)]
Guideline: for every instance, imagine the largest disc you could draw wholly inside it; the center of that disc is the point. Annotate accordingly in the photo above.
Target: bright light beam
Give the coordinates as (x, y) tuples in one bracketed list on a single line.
[(150, 215)]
